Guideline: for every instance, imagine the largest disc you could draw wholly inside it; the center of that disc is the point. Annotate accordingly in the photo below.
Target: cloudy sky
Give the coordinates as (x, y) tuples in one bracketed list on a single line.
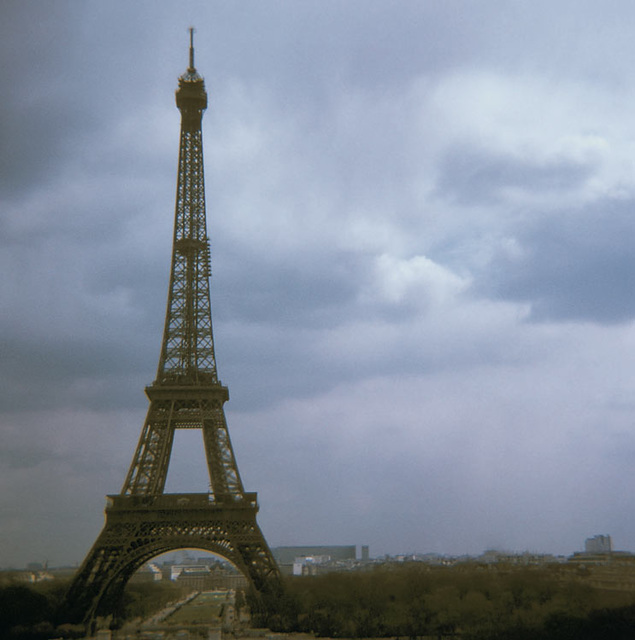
[(422, 216)]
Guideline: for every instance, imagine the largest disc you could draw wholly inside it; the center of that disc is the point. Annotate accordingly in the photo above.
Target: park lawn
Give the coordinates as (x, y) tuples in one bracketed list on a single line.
[(204, 609)]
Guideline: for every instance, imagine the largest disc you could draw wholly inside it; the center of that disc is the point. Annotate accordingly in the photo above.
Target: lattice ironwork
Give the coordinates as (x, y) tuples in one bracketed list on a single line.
[(139, 529), (142, 521)]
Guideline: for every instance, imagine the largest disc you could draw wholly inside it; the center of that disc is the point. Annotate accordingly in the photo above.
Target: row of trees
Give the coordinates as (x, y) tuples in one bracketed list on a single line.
[(411, 601), (475, 602), (29, 612)]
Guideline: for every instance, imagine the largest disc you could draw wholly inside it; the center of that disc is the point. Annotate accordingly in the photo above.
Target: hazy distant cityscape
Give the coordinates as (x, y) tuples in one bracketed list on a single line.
[(187, 567)]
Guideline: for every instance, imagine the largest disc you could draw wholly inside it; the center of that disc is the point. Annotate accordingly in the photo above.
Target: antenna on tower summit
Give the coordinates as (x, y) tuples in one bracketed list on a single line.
[(191, 30)]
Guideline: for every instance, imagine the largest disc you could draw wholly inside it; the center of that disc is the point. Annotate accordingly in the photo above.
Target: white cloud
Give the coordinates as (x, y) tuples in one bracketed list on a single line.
[(417, 279), (545, 121)]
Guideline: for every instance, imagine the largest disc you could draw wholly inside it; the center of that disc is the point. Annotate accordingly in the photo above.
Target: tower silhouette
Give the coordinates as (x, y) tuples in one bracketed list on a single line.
[(142, 521)]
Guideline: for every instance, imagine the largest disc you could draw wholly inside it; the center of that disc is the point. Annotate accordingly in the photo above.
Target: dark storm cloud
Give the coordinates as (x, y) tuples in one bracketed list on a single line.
[(36, 116), (476, 176), (391, 188), (70, 372), (288, 290), (571, 265), (26, 456), (34, 139), (347, 44)]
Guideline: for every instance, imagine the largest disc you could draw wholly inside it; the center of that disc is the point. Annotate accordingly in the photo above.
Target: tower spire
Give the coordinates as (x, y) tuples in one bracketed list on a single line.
[(191, 67)]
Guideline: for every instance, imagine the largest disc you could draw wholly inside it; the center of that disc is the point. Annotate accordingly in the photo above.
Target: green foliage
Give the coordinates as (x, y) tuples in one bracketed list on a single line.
[(21, 606), (142, 599), (28, 612), (474, 601)]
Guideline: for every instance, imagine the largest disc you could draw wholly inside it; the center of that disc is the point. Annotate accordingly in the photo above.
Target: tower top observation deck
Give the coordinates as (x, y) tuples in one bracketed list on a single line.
[(191, 97)]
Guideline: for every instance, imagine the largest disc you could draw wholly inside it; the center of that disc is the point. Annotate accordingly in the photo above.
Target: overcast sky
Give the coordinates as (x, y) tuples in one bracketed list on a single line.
[(422, 217)]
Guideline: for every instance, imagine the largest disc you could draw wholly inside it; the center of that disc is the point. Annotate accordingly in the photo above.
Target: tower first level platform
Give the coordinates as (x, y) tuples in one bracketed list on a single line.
[(139, 528)]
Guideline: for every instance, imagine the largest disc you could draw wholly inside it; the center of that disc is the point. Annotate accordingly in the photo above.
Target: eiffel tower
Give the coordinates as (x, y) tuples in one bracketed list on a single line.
[(142, 521)]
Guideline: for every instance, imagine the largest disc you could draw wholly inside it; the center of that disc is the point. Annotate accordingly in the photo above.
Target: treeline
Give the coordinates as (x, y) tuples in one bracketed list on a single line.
[(30, 612), (474, 602)]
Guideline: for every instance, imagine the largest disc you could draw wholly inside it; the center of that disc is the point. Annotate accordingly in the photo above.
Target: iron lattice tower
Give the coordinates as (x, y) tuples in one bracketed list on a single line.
[(143, 521)]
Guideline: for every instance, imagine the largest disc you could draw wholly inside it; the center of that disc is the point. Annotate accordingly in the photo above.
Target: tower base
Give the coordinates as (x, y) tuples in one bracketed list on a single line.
[(139, 528)]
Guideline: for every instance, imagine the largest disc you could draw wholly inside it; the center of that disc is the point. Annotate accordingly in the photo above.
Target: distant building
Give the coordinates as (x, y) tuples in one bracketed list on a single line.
[(192, 576), (287, 557), (309, 565), (598, 544), (149, 572), (365, 553), (526, 558), (34, 576), (203, 576), (36, 572)]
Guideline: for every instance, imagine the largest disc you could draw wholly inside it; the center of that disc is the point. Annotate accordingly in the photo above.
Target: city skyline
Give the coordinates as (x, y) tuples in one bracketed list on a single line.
[(590, 548), (421, 220)]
